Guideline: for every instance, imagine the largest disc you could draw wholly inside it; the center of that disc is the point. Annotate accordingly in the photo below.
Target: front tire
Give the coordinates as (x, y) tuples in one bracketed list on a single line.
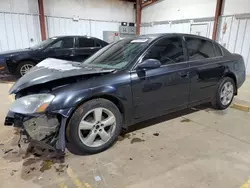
[(94, 126), (224, 94), (24, 67)]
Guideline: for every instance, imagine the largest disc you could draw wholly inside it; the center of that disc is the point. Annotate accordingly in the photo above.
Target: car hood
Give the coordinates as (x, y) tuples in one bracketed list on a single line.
[(53, 69), (14, 52)]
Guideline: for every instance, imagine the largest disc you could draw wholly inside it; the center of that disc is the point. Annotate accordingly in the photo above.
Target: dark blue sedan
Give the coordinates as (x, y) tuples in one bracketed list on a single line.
[(126, 82)]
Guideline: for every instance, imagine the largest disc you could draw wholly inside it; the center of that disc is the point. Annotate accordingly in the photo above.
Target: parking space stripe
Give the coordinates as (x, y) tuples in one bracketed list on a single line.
[(76, 181), (62, 185), (246, 185), (11, 97)]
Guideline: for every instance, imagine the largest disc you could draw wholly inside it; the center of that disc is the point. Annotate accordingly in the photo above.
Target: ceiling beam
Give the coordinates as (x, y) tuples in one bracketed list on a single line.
[(148, 3)]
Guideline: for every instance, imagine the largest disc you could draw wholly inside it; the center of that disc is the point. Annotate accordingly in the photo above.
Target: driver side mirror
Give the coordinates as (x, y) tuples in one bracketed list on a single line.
[(150, 64)]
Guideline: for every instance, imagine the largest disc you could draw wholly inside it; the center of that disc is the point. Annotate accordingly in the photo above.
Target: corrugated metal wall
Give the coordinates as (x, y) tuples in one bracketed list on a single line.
[(67, 26), (234, 34), (176, 26), (18, 30), (23, 30), (166, 28)]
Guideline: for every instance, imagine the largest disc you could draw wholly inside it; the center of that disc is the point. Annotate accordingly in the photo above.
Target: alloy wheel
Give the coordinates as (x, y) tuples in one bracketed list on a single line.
[(25, 68), (97, 127), (227, 93)]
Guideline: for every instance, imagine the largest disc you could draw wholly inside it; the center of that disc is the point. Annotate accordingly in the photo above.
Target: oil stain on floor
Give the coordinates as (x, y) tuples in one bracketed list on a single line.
[(125, 136), (134, 140), (185, 120), (46, 165), (156, 134)]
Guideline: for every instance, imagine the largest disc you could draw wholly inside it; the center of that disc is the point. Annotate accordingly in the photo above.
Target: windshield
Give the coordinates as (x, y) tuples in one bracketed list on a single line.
[(43, 43), (117, 55)]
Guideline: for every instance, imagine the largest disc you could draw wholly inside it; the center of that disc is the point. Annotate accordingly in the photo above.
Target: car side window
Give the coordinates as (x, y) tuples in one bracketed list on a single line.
[(199, 48), (86, 43), (217, 50), (63, 43), (98, 43), (167, 51)]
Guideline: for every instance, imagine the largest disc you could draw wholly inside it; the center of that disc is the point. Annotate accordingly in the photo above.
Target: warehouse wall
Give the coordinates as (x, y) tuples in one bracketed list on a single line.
[(232, 7), (19, 6), (181, 9), (19, 20), (90, 17), (178, 9), (167, 16), (91, 9), (234, 34)]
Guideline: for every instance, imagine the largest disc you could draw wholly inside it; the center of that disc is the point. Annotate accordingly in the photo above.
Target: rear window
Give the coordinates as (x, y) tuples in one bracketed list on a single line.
[(199, 48), (86, 43)]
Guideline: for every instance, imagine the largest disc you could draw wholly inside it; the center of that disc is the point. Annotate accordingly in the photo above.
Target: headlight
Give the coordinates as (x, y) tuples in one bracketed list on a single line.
[(32, 103)]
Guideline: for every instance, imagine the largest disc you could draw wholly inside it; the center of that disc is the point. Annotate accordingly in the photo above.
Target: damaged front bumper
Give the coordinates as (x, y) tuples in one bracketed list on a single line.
[(45, 132)]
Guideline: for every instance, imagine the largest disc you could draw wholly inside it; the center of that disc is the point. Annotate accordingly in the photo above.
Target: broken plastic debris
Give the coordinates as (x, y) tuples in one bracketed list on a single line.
[(98, 178)]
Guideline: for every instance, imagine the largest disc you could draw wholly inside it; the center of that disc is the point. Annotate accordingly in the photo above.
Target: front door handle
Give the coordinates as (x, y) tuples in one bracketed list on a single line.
[(184, 75)]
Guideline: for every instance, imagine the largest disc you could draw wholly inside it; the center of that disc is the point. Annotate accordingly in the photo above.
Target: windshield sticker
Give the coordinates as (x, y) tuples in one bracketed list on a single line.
[(139, 40)]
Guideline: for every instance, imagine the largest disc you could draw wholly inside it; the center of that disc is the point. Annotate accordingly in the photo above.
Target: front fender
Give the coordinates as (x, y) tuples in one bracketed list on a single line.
[(73, 95)]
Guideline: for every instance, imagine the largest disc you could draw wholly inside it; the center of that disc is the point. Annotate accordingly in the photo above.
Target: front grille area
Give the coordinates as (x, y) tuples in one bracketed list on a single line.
[(41, 127)]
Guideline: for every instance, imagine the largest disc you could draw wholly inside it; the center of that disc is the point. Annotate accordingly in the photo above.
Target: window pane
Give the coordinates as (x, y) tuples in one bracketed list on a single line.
[(199, 49), (68, 43), (58, 44), (85, 43), (167, 51), (116, 55), (217, 50), (64, 43)]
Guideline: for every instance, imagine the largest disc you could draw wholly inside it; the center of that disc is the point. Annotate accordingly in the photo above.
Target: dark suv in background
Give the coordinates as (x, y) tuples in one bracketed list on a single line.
[(72, 48)]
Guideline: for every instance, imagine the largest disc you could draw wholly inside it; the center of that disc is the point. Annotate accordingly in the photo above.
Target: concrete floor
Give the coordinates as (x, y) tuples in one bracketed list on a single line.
[(197, 148)]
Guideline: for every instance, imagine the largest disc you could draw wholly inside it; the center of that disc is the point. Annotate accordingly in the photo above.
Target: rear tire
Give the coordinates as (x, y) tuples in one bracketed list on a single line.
[(224, 94), (88, 133), (24, 67)]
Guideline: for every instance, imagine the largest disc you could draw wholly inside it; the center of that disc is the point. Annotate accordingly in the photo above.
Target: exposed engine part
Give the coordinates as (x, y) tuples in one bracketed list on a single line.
[(40, 127)]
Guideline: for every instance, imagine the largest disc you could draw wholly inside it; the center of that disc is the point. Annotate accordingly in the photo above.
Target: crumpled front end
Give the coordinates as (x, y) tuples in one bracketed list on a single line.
[(44, 130), (42, 127)]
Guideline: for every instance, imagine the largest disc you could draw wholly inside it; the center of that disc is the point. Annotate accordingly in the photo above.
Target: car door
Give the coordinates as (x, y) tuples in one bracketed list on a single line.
[(85, 47), (206, 69), (62, 48), (156, 91)]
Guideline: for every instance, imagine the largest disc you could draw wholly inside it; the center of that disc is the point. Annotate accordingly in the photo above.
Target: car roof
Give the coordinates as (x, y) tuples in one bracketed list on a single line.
[(64, 36), (158, 35)]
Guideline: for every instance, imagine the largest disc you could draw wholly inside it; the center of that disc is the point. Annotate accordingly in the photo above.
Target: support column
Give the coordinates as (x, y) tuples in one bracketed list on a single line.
[(216, 17), (42, 19), (138, 16)]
